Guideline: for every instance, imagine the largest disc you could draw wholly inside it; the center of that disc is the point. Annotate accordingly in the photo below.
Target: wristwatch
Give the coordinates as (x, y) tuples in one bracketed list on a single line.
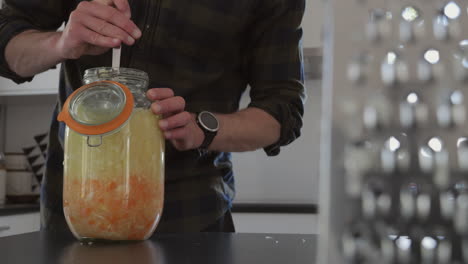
[(209, 124)]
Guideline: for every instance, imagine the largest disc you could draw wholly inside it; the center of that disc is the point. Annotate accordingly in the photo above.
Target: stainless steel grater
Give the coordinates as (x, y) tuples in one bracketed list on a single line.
[(394, 148)]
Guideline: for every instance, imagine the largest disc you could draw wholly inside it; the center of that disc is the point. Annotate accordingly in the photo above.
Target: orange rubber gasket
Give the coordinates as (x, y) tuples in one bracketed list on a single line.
[(115, 123)]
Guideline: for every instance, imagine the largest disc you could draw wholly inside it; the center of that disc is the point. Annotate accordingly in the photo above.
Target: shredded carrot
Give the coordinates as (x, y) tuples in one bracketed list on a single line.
[(112, 185), (112, 216), (86, 211)]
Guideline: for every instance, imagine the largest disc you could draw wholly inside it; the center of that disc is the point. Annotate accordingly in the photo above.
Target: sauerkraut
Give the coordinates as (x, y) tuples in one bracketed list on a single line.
[(115, 191)]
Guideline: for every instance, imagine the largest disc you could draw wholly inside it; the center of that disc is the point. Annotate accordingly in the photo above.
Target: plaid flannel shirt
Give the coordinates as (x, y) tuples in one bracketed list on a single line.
[(207, 51)]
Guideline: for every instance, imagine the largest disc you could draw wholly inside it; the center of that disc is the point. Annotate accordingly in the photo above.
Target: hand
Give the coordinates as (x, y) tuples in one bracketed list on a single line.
[(95, 27), (178, 125)]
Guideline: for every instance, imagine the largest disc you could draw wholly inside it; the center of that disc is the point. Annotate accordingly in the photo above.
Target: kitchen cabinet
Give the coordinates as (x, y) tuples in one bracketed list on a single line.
[(19, 224)]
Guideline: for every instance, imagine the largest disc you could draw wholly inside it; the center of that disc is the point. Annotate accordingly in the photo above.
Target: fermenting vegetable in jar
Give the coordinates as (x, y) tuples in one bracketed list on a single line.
[(114, 158)]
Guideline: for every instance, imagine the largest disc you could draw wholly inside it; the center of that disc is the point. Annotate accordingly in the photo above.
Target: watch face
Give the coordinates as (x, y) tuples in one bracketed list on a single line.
[(208, 121)]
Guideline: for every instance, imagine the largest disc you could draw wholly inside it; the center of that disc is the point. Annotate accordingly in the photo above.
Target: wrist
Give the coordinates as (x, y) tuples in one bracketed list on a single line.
[(27, 60), (198, 132), (59, 46)]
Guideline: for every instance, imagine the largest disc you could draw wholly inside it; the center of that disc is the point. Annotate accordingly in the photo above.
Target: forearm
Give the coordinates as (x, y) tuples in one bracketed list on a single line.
[(32, 52), (246, 130)]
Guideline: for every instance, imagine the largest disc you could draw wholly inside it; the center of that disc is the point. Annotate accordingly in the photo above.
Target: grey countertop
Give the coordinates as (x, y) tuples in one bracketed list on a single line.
[(12, 209), (204, 248)]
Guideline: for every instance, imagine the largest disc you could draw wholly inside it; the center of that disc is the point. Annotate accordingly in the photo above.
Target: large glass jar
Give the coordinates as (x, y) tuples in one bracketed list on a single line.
[(114, 157)]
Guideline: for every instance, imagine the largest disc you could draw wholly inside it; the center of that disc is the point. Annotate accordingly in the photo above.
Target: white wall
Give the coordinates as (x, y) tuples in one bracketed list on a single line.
[(275, 223), (312, 23), (43, 83), (27, 116), (290, 177)]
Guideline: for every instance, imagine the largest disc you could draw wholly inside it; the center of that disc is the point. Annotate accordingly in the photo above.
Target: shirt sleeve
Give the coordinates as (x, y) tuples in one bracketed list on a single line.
[(17, 16), (276, 75)]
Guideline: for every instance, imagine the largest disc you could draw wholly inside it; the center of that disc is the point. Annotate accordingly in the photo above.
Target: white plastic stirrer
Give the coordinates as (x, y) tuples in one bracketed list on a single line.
[(116, 57)]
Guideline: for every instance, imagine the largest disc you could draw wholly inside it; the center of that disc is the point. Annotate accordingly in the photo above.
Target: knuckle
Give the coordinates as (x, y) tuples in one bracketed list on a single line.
[(75, 31), (183, 133), (128, 26), (102, 27), (186, 116), (180, 102), (111, 14), (170, 123), (103, 2), (177, 104), (94, 38), (170, 92), (180, 147), (74, 15), (72, 28), (83, 5)]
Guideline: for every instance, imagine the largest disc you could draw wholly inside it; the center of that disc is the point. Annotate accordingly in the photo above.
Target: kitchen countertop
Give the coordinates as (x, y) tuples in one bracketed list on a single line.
[(206, 248), (12, 209)]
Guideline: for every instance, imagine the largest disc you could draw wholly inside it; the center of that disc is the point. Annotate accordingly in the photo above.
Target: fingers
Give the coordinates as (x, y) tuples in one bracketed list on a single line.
[(110, 15), (175, 121), (183, 144), (95, 50), (167, 106), (159, 93), (185, 137), (80, 33), (94, 27), (178, 125), (105, 29), (96, 39)]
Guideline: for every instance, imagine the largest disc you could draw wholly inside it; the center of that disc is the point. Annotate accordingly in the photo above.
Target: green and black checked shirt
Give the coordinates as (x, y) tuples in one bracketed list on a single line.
[(207, 51)]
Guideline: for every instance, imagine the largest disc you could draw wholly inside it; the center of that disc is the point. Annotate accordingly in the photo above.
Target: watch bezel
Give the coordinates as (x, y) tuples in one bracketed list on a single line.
[(202, 123)]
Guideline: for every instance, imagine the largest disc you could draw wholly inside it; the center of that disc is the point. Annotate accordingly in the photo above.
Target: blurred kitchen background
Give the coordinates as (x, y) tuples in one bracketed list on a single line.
[(274, 194)]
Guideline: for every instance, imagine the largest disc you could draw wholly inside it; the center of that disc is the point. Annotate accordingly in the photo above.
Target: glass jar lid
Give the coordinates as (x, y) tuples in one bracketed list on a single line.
[(97, 108)]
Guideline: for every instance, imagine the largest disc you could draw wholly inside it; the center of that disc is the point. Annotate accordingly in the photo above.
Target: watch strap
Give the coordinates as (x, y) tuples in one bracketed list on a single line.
[(209, 135)]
